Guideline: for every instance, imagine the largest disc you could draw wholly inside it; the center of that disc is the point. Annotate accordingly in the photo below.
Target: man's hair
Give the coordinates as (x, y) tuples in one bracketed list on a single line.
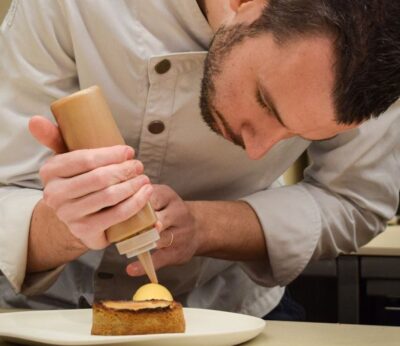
[(366, 36)]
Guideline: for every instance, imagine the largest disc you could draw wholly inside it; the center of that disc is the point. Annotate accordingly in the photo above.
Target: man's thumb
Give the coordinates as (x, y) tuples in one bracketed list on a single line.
[(47, 134)]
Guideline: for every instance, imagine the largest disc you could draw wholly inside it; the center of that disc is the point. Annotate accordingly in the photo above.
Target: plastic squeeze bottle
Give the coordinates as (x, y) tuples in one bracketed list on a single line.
[(86, 122)]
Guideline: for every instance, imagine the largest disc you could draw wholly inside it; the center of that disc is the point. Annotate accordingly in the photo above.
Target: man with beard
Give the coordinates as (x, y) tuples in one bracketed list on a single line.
[(280, 77)]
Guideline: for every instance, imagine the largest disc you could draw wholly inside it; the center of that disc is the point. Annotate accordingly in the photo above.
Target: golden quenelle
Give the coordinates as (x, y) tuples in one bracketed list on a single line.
[(152, 292)]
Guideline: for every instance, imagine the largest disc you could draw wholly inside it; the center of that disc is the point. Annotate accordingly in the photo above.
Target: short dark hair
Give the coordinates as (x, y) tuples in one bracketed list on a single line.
[(366, 36)]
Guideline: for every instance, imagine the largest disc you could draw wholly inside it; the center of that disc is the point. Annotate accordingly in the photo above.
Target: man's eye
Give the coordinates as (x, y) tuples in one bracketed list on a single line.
[(260, 100), (262, 103)]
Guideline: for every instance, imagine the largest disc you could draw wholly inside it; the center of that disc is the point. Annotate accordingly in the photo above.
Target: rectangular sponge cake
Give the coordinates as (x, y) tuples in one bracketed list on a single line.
[(136, 318)]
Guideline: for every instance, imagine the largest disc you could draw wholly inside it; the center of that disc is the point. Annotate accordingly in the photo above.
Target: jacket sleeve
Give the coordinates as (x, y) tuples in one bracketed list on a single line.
[(349, 192), (36, 67)]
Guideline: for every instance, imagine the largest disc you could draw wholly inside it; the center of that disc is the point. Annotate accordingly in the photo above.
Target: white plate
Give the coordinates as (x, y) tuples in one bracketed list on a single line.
[(72, 327)]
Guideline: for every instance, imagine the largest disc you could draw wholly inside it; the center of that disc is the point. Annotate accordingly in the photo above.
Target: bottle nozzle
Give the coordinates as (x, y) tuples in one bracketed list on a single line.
[(140, 246), (148, 265)]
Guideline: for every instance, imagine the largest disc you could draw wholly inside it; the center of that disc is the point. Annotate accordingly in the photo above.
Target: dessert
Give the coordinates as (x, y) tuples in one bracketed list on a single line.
[(152, 291), (152, 311)]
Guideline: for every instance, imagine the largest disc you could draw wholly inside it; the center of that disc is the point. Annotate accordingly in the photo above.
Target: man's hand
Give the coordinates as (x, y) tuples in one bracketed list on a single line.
[(90, 190), (227, 230), (179, 238)]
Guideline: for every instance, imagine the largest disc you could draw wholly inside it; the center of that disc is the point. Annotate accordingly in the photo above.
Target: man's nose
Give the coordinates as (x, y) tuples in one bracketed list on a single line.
[(256, 148)]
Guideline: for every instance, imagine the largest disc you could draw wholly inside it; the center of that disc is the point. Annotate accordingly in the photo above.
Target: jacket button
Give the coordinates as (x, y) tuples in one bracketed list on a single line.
[(163, 66), (156, 127)]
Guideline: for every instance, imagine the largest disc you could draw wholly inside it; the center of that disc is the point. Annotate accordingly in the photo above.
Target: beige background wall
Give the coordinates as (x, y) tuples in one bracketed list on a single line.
[(4, 4)]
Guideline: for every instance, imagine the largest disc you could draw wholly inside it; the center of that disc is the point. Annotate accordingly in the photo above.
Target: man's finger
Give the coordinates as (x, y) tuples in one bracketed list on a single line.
[(47, 134), (82, 161), (161, 197), (161, 258), (96, 180)]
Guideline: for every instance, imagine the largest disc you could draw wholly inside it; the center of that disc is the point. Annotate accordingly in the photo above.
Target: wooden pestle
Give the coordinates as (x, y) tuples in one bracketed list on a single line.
[(86, 122)]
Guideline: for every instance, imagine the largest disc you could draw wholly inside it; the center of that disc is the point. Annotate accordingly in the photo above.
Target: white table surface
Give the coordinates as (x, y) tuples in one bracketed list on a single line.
[(319, 334)]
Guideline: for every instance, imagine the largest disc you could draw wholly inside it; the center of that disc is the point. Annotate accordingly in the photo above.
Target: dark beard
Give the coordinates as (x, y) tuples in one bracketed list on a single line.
[(225, 39)]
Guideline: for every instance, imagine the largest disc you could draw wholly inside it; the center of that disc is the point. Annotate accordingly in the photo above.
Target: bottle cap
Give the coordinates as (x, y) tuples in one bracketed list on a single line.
[(138, 244)]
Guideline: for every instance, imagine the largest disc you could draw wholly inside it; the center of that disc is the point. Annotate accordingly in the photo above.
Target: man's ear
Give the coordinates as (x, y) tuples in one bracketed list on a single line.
[(237, 4)]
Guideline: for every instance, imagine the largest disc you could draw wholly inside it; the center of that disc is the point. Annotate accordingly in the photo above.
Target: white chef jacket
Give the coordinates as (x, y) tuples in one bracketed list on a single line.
[(50, 49)]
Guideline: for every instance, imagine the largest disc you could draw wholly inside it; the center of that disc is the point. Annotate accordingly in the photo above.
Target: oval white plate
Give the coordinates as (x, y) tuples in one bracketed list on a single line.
[(72, 327)]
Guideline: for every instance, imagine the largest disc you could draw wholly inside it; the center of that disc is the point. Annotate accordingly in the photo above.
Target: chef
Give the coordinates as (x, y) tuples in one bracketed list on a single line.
[(272, 83)]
